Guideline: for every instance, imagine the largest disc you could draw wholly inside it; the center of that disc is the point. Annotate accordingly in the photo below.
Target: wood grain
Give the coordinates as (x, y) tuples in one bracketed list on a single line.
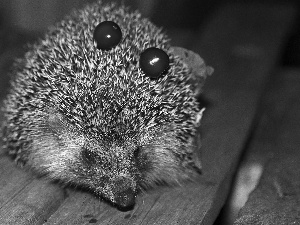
[(276, 144), (23, 199)]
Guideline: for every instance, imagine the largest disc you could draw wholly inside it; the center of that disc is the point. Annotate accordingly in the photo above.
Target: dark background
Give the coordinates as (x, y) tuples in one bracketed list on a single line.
[(24, 20)]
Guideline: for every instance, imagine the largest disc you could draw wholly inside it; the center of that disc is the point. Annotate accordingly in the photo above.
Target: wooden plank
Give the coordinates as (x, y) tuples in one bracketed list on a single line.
[(244, 57), (242, 42), (276, 198), (23, 199), (12, 180)]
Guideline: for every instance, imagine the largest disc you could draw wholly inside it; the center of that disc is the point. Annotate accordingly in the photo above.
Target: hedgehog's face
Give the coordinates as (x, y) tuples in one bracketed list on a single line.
[(109, 170), (61, 151), (113, 168)]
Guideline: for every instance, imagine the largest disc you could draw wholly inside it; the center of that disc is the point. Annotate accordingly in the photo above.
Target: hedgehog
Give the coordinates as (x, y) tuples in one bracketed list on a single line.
[(96, 117)]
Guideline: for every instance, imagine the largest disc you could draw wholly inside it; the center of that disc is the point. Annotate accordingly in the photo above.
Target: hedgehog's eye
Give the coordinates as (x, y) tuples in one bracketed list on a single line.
[(107, 35), (88, 156), (136, 152), (141, 160), (154, 62)]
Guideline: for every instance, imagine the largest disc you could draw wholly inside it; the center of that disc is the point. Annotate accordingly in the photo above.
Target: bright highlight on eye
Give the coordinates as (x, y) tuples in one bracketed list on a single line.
[(154, 62), (107, 35)]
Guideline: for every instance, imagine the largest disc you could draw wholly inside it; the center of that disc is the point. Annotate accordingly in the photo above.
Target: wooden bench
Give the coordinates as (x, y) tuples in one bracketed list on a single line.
[(276, 143), (242, 42)]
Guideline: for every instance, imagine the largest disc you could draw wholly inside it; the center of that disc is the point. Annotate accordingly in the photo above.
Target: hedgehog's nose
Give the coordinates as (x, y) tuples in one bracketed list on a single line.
[(124, 193), (125, 199)]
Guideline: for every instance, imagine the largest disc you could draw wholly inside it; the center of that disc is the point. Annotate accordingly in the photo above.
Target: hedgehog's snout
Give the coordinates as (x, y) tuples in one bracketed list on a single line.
[(124, 193), (126, 199)]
